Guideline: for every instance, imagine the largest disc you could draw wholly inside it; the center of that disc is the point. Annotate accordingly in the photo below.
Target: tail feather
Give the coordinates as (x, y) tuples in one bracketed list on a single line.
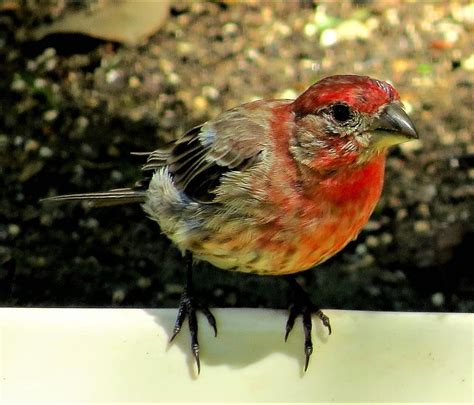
[(120, 196), (101, 199)]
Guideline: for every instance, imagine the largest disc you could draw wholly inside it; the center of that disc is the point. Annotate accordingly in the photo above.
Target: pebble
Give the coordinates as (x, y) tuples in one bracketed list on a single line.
[(173, 79), (50, 115), (50, 65), (48, 53), (113, 151), (166, 66), (14, 229), (31, 65), (447, 138), (45, 152), (118, 296), (184, 48), (372, 225), (372, 23), (468, 63), (408, 107), (112, 75), (31, 145), (281, 28), (116, 176), (402, 65), (391, 276), (309, 64), (322, 19), (144, 282), (46, 220), (82, 122), (367, 260), (328, 38), (88, 151), (288, 94), (423, 210), (210, 92), (310, 30), (230, 29), (449, 31), (18, 84), (361, 249), (253, 54), (465, 14), (386, 238), (40, 83), (200, 104), (437, 299), (350, 30), (374, 290), (172, 288), (422, 226), (134, 82), (372, 241), (267, 14), (78, 172), (138, 113), (89, 223), (218, 292), (426, 193), (3, 142)]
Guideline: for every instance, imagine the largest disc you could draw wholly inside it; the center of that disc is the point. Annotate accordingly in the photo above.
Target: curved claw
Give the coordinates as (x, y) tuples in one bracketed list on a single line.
[(303, 306), (324, 320), (195, 350), (188, 309), (210, 319), (291, 320), (179, 319), (308, 352)]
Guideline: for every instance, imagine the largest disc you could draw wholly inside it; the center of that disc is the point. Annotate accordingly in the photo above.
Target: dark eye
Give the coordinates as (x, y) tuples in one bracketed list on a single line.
[(341, 112)]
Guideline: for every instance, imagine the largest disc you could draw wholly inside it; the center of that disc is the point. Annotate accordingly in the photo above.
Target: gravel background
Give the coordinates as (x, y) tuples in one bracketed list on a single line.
[(73, 107)]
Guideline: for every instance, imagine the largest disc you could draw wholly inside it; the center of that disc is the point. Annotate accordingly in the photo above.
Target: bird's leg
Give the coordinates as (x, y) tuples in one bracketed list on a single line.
[(302, 305), (188, 306)]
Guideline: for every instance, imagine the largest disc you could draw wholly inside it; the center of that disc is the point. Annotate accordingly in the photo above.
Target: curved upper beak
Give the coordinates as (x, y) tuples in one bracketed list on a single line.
[(393, 126)]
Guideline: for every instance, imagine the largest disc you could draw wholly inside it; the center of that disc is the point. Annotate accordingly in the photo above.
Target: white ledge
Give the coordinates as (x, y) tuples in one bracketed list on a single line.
[(123, 355)]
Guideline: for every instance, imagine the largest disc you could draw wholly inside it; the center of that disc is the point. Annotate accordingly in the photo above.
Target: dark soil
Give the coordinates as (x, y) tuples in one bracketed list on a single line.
[(73, 108)]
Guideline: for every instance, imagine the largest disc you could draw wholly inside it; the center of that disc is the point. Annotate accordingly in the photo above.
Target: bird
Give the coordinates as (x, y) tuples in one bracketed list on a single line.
[(272, 187)]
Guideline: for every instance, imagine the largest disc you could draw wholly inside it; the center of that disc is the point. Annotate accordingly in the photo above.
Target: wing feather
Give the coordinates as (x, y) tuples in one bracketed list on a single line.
[(231, 142)]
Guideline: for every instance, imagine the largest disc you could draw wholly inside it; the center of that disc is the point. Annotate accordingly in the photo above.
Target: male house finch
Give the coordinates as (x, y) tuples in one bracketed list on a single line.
[(272, 187)]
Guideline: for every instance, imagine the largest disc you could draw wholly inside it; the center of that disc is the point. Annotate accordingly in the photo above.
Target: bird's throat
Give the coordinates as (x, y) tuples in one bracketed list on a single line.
[(361, 182)]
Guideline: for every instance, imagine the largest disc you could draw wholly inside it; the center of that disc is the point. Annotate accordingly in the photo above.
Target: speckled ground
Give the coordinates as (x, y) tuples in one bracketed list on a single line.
[(72, 109)]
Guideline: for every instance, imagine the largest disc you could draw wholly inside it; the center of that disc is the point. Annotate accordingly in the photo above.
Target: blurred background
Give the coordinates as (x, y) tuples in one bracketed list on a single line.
[(83, 84)]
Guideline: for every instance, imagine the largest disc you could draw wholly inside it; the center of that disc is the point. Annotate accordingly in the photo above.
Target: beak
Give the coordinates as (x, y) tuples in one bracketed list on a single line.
[(393, 126)]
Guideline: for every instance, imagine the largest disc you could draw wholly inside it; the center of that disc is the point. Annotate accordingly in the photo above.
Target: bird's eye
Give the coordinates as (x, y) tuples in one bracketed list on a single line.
[(341, 112)]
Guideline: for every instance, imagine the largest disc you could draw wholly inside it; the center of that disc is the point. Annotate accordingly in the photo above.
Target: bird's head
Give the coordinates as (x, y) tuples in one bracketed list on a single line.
[(347, 119)]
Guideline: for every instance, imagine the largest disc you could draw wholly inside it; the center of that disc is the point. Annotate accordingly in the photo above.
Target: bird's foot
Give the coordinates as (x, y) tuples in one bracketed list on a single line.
[(303, 306), (188, 307)]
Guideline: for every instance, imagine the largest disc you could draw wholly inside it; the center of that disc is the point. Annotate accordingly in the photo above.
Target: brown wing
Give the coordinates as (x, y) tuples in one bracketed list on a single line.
[(198, 160), (233, 141)]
